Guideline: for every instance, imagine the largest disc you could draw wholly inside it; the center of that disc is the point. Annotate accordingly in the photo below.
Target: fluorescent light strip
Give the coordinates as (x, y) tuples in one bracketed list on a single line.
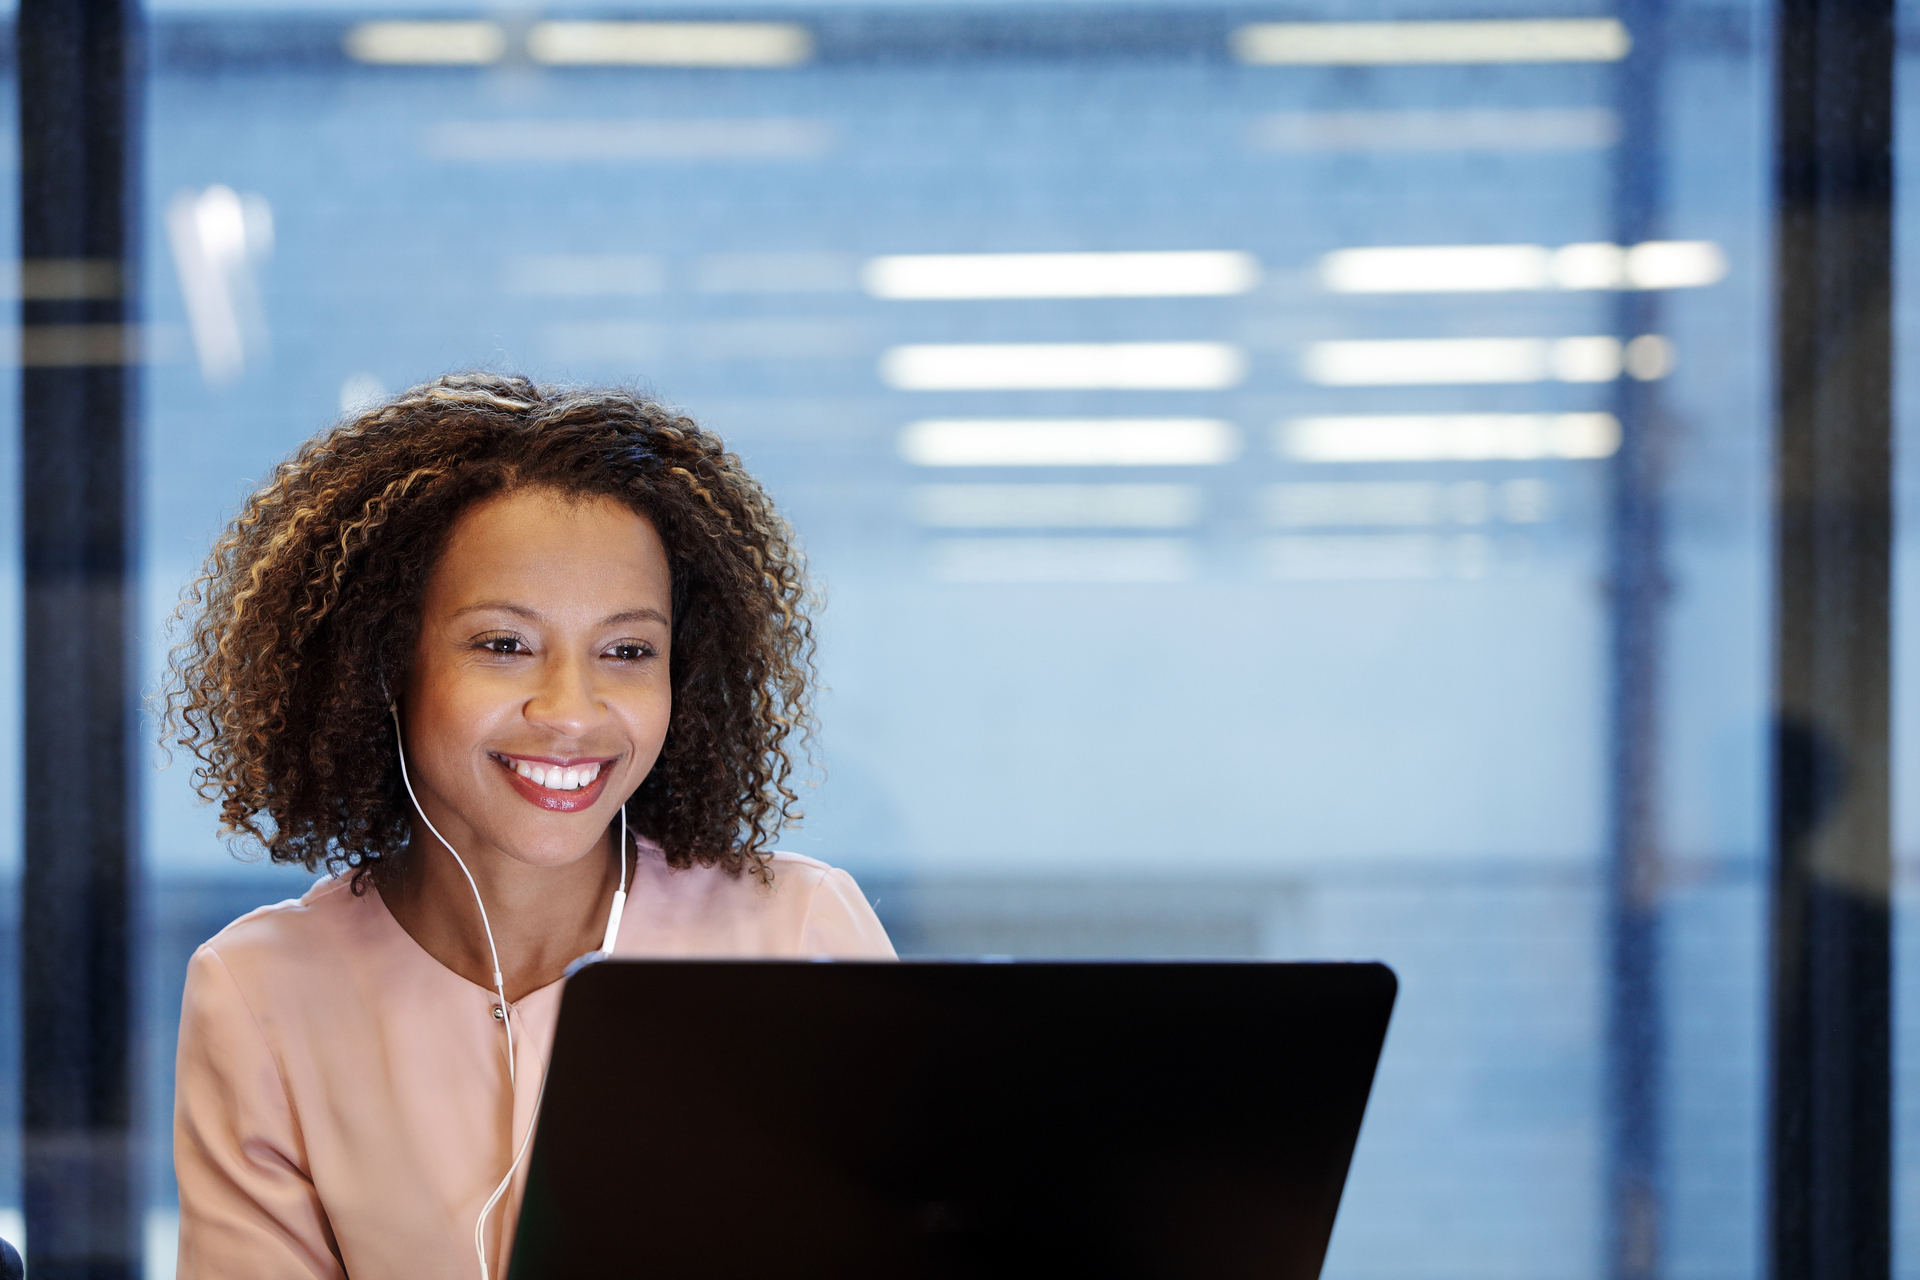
[(664, 140), (1041, 560), (669, 44), (1389, 502), (1360, 504), (1065, 366), (1061, 275), (1057, 506), (1440, 361), (1472, 129), (427, 43), (586, 275), (1462, 268), (774, 273), (1069, 442), (1390, 43), (1488, 268), (1463, 437)]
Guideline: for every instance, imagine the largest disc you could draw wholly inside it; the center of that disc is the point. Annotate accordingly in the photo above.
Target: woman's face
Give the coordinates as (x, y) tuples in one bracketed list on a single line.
[(539, 695)]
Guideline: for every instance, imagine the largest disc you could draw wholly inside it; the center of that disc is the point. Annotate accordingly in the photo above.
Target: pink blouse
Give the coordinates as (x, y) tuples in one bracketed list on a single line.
[(341, 1101)]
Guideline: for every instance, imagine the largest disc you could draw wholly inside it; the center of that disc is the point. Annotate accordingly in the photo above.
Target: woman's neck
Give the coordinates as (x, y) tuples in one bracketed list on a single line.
[(543, 918)]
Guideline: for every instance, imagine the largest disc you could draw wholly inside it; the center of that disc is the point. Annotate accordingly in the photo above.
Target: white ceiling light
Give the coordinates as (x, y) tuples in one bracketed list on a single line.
[(1386, 43), (427, 43), (1589, 266), (1063, 506), (1057, 366), (1488, 268), (670, 44), (1069, 442), (1437, 269), (1061, 275), (1449, 437), (1460, 361), (1675, 264)]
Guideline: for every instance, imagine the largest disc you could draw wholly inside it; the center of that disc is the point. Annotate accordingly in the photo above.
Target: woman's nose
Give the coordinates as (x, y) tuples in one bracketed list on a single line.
[(566, 701)]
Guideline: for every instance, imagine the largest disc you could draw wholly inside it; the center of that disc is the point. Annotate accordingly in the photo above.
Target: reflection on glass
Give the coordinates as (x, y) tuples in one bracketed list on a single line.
[(1202, 429)]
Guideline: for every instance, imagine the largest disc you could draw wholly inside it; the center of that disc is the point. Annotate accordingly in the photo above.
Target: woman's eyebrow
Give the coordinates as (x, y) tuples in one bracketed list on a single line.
[(642, 614), (499, 606), (638, 615)]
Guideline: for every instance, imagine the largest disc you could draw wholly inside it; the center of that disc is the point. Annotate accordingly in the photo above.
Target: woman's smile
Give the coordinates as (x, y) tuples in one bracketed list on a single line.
[(554, 784)]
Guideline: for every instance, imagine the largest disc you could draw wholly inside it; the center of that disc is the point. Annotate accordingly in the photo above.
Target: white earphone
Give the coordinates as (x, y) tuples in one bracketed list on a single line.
[(499, 982)]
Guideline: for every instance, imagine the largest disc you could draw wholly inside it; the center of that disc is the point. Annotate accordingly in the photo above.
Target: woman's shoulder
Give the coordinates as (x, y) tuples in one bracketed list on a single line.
[(799, 869), (303, 930), (791, 881), (803, 906)]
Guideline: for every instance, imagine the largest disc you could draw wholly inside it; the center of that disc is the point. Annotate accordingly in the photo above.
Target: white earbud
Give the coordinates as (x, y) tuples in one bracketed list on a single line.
[(499, 983)]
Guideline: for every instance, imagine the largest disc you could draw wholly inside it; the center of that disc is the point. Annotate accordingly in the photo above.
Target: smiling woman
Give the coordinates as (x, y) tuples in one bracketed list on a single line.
[(454, 651)]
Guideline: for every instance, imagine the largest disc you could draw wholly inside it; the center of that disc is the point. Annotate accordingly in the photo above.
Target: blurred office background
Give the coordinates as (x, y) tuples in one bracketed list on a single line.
[(1204, 427)]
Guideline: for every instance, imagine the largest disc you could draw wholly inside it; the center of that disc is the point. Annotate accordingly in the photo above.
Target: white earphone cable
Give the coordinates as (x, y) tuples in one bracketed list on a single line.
[(506, 1180), (499, 982)]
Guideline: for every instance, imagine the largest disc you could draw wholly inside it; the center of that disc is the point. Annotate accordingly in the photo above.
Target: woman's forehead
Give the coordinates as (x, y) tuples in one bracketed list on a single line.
[(549, 553)]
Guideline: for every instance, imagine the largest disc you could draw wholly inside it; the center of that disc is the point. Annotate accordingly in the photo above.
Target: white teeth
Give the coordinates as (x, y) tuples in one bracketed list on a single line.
[(555, 778)]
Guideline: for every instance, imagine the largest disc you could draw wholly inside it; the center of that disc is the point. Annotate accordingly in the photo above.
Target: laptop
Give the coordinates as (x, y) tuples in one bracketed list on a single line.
[(938, 1120)]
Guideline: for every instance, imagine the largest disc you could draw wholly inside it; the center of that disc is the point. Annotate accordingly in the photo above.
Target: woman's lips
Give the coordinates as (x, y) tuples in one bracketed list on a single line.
[(557, 801)]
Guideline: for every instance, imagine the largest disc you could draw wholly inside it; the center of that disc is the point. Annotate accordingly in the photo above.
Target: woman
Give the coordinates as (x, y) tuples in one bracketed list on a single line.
[(500, 659)]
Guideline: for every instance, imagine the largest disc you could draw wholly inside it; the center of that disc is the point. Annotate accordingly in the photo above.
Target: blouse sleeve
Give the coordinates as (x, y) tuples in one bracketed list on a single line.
[(841, 924), (247, 1207)]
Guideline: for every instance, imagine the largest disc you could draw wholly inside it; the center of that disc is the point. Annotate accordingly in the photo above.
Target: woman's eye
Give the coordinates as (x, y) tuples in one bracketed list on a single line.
[(631, 652), (503, 645)]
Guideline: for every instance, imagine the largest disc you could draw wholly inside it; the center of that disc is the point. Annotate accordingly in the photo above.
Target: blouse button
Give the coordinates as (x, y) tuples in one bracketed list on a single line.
[(499, 1014)]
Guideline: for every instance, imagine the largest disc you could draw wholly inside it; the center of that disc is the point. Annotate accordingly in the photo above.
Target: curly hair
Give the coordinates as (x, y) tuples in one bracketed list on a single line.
[(308, 611)]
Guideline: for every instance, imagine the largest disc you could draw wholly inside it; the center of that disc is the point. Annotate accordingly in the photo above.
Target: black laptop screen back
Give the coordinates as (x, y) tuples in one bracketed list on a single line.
[(753, 1120)]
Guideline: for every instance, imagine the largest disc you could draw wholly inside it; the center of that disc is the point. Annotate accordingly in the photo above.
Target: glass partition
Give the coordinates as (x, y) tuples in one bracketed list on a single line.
[(1204, 425)]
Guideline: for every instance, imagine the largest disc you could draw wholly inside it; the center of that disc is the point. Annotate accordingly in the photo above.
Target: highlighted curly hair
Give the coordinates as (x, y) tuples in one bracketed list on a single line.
[(308, 610)]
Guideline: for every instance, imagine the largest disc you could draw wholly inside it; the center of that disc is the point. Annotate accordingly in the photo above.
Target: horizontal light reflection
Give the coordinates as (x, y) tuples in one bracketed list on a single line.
[(1452, 268), (427, 43), (1472, 437), (1069, 442), (1061, 506), (669, 44), (1440, 361), (1061, 275), (1388, 43), (1470, 129), (1674, 264), (1369, 503), (586, 275), (1039, 560), (773, 273), (1362, 557), (1485, 268), (564, 141), (1065, 366)]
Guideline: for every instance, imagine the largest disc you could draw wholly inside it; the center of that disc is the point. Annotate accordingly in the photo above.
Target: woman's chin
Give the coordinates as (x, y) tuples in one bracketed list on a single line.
[(548, 851)]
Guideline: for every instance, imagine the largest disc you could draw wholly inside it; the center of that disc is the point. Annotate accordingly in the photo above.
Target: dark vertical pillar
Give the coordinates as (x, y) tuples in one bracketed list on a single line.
[(77, 144), (1637, 577), (1831, 1146)]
